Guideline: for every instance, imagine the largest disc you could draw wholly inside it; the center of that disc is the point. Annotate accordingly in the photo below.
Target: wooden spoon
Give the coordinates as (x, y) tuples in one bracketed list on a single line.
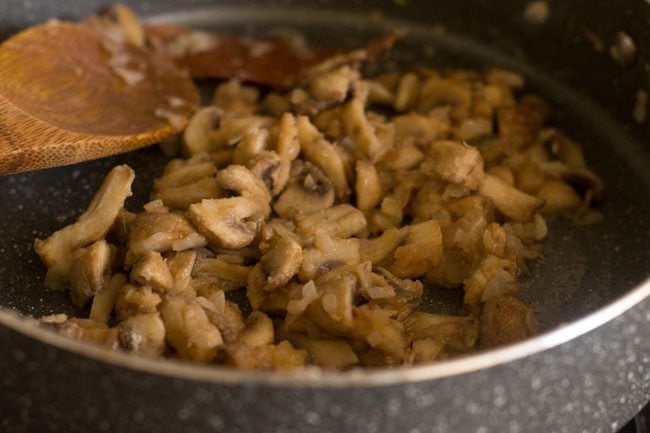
[(70, 93)]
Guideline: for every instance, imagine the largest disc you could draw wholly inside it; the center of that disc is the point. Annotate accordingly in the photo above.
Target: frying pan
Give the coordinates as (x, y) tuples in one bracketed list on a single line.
[(588, 371)]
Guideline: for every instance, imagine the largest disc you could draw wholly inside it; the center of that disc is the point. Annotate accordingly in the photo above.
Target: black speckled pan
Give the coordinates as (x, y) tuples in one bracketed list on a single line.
[(588, 372)]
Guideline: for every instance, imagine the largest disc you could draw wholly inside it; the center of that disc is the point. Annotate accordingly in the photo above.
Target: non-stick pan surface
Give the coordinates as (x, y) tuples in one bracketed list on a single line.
[(582, 270)]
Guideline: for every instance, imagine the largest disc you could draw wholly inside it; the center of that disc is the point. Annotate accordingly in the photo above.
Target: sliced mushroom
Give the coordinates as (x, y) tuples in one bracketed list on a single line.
[(334, 353), (358, 128), (228, 222), (506, 320), (509, 200), (332, 310), (188, 329), (378, 249), (437, 92), (211, 274), (376, 328), (143, 334), (82, 329), (333, 85), (187, 182), (492, 277), (181, 264), (455, 333), (327, 253), (422, 250), (104, 300), (519, 125), (258, 330), (57, 250), (405, 156), (233, 129), (388, 292), (280, 357), (455, 162), (340, 221), (287, 147), (558, 197), (234, 98), (278, 265), (196, 136), (151, 270), (367, 185), (132, 300), (407, 92), (267, 166), (323, 155), (310, 191), (253, 142), (162, 233), (91, 270), (241, 180), (225, 315), (422, 128)]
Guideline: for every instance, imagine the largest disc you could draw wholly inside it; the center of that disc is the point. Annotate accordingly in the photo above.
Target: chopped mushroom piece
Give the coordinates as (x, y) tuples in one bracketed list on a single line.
[(188, 329), (509, 200), (151, 270), (104, 299), (457, 333), (309, 192), (367, 185), (82, 329), (181, 264), (456, 162), (506, 320), (334, 353), (132, 300), (252, 143), (225, 315), (258, 330), (57, 251), (422, 250), (91, 271), (323, 155), (187, 182), (278, 265), (143, 334), (214, 273), (327, 253), (280, 357), (341, 221), (162, 233), (242, 181), (196, 136), (228, 222), (267, 166), (360, 130), (287, 147)]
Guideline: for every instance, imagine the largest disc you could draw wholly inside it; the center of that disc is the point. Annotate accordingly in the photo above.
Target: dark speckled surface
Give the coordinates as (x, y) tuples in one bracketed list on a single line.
[(593, 383)]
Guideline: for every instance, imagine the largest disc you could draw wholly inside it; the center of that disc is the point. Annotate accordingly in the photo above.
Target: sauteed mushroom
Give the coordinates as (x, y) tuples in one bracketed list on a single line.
[(336, 207)]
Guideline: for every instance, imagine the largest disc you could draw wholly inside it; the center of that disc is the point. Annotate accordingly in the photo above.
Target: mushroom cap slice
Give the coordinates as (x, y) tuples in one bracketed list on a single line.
[(228, 222), (309, 191), (241, 180), (93, 225)]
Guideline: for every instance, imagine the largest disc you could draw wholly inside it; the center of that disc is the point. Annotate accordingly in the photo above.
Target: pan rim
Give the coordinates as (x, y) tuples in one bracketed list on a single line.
[(317, 378)]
